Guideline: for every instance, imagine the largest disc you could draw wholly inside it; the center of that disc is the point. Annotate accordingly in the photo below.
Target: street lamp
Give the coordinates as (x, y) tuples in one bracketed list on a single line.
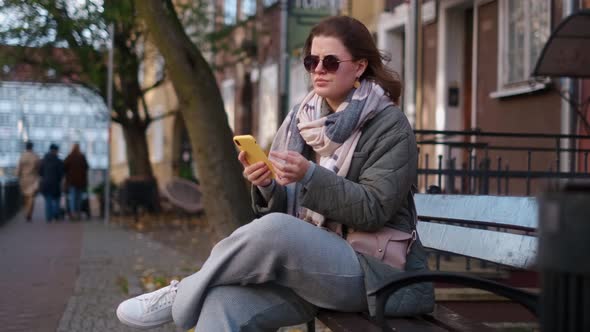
[(107, 183)]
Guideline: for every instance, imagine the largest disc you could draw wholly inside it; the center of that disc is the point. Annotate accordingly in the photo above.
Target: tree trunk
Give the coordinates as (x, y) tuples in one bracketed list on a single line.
[(138, 156), (225, 194)]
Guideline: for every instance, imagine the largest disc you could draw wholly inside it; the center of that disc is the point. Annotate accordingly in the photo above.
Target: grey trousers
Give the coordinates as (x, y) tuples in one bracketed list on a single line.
[(273, 272)]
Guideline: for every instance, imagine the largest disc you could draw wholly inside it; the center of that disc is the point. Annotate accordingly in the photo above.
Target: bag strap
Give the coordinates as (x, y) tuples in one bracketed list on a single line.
[(412, 207), (414, 212)]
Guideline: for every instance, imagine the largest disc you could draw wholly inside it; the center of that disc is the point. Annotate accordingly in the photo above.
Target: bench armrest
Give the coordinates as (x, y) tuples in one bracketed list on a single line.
[(527, 299)]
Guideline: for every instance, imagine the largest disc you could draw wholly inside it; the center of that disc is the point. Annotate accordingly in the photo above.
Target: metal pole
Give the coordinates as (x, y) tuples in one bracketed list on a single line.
[(568, 114), (413, 40), (417, 63), (283, 63), (2, 200), (107, 178)]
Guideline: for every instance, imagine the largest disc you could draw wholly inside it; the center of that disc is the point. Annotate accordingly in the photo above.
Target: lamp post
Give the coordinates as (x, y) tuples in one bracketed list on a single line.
[(107, 180)]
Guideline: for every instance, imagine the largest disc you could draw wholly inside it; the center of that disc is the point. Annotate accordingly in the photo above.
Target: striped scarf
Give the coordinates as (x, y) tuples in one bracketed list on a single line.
[(333, 137)]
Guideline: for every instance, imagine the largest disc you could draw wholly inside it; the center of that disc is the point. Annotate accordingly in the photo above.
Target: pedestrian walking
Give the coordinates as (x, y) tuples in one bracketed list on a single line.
[(76, 172), (51, 172), (28, 176)]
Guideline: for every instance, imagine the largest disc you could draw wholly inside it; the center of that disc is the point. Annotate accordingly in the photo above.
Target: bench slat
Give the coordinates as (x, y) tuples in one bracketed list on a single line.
[(455, 322), (355, 322), (503, 248), (413, 324), (441, 319), (346, 322), (501, 210)]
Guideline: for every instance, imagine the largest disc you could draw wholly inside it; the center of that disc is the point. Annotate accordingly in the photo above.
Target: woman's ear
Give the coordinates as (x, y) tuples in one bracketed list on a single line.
[(361, 66)]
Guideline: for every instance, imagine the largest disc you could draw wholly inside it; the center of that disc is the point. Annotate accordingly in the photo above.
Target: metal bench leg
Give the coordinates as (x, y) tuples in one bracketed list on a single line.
[(311, 325)]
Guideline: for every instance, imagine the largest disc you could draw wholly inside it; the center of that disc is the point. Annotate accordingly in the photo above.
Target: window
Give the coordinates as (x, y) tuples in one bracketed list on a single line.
[(56, 108), (40, 108), (4, 119), (82, 121), (51, 73), (249, 7), (5, 105), (229, 12), (524, 29), (6, 69)]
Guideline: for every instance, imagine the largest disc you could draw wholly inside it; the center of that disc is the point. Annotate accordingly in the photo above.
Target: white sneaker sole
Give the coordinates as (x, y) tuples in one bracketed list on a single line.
[(135, 324)]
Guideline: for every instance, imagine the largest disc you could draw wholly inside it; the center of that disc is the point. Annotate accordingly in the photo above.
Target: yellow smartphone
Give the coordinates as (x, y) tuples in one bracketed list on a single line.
[(254, 152)]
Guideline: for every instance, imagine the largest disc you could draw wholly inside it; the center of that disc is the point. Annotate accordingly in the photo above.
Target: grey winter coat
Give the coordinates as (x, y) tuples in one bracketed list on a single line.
[(376, 192)]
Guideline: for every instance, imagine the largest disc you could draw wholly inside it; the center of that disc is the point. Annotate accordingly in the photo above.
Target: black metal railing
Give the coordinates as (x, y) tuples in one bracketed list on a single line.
[(9, 198), (477, 162), (490, 163)]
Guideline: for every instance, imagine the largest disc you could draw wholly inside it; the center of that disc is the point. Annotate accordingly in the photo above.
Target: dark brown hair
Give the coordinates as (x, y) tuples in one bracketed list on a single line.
[(359, 42)]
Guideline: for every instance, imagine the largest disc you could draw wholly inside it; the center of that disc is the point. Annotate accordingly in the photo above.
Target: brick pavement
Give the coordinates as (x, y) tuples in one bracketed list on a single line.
[(68, 276), (38, 267)]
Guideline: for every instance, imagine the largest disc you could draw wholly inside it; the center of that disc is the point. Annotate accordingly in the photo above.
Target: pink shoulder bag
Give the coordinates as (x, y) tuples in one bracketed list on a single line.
[(389, 245)]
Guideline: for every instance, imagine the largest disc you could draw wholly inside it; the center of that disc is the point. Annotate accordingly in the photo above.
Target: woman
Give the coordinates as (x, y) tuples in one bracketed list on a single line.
[(76, 172), (345, 160), (28, 174)]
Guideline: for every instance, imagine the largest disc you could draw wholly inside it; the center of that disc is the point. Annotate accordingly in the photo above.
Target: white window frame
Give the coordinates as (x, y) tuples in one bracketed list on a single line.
[(505, 89)]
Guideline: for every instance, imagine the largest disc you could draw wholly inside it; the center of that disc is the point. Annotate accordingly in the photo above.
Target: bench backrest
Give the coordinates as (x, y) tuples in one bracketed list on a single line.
[(491, 228)]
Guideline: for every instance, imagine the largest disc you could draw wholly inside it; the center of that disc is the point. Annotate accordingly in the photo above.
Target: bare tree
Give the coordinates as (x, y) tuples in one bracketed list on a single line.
[(225, 192)]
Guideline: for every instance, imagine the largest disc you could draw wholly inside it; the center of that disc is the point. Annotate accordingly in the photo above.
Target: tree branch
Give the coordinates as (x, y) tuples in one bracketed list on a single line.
[(165, 115), (155, 85), (146, 113), (117, 120)]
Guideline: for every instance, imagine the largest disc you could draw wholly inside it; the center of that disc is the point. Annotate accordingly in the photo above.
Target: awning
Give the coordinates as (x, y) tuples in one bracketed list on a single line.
[(567, 52)]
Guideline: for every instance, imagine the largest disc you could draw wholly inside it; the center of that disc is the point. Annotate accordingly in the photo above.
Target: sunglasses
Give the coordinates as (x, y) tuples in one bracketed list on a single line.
[(329, 62)]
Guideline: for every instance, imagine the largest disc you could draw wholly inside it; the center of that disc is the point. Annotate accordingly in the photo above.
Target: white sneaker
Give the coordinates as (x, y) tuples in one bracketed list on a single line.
[(149, 310)]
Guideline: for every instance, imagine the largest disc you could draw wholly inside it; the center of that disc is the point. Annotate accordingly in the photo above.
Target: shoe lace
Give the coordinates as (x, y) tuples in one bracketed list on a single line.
[(161, 296)]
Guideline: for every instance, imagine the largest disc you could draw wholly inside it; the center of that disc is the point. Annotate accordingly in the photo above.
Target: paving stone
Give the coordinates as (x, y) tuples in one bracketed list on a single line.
[(66, 276), (108, 254)]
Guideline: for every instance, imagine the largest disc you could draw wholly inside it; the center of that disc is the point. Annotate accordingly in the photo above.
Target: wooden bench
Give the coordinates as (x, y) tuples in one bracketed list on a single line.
[(497, 229)]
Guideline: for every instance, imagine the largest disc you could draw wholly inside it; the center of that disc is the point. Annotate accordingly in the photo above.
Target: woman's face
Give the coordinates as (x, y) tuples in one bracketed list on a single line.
[(334, 85)]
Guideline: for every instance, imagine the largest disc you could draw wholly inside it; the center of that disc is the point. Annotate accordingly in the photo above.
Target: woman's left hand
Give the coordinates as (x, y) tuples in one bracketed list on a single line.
[(289, 166)]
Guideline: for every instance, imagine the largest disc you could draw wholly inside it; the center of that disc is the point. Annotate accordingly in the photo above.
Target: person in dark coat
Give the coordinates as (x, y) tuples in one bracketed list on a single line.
[(51, 172), (76, 170)]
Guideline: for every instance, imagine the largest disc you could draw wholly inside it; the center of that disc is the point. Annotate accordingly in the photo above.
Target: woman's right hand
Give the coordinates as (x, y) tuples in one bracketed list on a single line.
[(258, 174)]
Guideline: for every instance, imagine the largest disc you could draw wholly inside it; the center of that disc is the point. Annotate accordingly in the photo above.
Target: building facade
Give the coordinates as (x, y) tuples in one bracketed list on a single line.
[(52, 113), (465, 66), (468, 67)]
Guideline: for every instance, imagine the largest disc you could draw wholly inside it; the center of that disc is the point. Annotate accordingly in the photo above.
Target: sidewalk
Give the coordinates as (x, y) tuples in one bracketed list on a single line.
[(38, 271), (68, 276), (111, 260)]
